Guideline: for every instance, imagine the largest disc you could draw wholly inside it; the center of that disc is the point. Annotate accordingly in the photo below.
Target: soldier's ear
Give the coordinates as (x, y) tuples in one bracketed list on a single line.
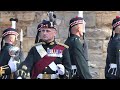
[(55, 33)]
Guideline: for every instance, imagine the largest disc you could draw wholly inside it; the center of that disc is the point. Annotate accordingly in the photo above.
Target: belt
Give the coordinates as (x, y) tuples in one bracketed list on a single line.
[(47, 76)]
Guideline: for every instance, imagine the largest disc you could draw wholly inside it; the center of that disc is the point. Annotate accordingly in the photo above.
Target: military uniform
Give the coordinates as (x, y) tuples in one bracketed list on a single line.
[(113, 56), (78, 59), (5, 56), (31, 65), (112, 69), (80, 69), (45, 60), (4, 59)]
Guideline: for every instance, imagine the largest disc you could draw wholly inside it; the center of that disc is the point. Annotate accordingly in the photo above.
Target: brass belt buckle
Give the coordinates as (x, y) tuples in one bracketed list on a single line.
[(46, 76)]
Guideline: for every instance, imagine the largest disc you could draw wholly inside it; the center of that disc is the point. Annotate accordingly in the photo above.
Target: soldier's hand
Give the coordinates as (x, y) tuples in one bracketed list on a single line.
[(61, 69), (112, 65), (112, 69), (19, 77), (20, 74), (13, 65)]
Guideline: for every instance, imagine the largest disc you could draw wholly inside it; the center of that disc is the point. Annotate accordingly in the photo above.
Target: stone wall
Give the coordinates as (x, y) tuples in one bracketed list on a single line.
[(98, 31)]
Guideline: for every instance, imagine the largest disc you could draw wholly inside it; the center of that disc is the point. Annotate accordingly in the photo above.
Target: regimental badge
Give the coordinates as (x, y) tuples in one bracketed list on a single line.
[(51, 24), (54, 52)]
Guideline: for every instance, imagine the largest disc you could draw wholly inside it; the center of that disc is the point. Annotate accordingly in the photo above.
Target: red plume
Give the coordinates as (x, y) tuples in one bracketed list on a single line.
[(117, 16), (76, 16)]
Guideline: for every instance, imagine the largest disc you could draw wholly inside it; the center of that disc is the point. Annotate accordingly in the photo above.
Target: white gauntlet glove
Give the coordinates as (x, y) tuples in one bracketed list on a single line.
[(61, 69), (113, 67), (19, 78), (13, 65)]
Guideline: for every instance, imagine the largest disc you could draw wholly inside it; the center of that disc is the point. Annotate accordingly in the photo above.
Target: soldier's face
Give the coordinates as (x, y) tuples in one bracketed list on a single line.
[(117, 29), (11, 39), (79, 28), (47, 34)]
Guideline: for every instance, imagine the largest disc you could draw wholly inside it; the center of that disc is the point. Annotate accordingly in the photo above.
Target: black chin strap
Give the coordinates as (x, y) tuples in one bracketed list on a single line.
[(2, 44), (37, 37), (85, 46), (112, 36)]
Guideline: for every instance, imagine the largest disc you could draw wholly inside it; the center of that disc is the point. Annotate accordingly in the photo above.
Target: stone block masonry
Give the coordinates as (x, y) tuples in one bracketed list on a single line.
[(98, 32)]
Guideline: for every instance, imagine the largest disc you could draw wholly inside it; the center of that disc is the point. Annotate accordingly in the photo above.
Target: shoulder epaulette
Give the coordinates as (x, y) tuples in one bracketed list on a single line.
[(37, 44), (62, 44)]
